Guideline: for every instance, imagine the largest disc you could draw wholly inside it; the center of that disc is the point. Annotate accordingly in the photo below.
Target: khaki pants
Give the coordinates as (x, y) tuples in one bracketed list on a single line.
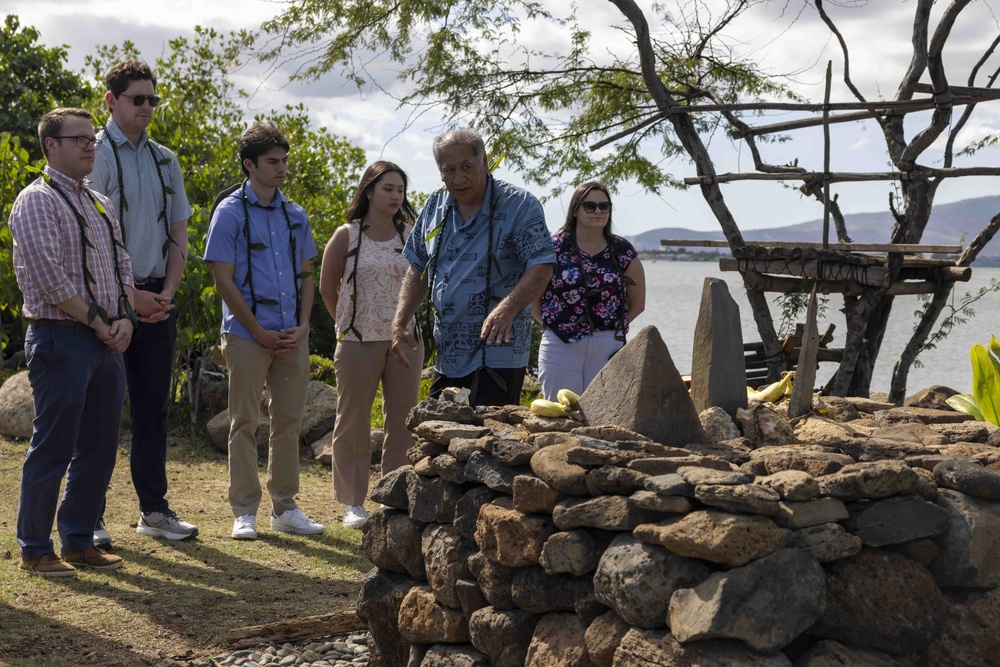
[(359, 368), (286, 376)]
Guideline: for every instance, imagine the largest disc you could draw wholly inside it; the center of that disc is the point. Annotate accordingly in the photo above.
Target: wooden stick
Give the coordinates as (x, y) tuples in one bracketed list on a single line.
[(336, 623), (920, 174), (856, 247)]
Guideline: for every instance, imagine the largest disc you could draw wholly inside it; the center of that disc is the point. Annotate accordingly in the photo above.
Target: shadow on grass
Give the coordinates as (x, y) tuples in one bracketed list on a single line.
[(45, 642)]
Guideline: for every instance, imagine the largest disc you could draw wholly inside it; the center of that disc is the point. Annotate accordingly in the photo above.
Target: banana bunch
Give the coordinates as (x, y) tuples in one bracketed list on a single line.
[(773, 392), (564, 407)]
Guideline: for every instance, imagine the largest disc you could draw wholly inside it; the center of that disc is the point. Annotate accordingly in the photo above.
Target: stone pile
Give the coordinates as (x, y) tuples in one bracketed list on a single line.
[(862, 535)]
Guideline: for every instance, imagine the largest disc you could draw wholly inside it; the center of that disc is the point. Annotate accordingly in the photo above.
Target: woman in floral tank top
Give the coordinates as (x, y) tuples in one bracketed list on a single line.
[(363, 269), (597, 289)]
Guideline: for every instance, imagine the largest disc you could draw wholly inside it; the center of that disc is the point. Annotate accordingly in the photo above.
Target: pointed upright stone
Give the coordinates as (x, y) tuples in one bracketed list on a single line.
[(718, 367), (640, 389), (805, 373)]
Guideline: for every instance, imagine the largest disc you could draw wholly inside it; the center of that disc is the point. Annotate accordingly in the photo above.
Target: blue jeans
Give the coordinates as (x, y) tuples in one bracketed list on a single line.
[(78, 387)]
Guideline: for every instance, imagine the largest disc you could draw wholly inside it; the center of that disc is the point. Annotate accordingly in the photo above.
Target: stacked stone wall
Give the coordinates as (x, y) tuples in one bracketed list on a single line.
[(864, 535)]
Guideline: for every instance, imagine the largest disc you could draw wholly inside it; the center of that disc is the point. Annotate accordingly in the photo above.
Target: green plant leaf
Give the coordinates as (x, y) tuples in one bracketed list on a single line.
[(434, 232), (966, 403), (986, 383)]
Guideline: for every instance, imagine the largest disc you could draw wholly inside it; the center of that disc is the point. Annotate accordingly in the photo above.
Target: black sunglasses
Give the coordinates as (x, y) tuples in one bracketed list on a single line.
[(591, 206), (139, 100)]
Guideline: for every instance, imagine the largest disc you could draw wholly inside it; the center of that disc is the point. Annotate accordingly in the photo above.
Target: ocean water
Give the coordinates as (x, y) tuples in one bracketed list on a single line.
[(673, 296)]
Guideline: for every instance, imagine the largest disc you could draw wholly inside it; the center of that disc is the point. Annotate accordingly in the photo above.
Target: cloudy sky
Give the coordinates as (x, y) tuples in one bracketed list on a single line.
[(785, 36)]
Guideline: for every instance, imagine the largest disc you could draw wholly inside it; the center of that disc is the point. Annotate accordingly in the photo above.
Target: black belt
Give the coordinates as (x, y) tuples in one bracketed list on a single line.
[(58, 324)]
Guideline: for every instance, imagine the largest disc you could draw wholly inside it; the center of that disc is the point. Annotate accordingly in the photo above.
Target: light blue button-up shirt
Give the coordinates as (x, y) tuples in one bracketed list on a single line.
[(520, 240), (273, 274)]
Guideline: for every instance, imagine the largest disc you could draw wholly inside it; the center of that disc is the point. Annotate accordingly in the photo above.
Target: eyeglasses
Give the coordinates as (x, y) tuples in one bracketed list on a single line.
[(591, 206), (81, 140), (139, 100)]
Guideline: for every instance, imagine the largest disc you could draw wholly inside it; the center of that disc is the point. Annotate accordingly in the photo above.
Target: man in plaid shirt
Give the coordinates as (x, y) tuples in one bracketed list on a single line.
[(76, 279)]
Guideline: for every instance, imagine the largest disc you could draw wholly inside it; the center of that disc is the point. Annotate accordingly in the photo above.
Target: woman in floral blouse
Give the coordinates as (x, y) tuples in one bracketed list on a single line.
[(598, 287)]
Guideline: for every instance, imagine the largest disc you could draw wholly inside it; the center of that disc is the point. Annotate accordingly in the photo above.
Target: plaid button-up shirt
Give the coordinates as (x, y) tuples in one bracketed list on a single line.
[(48, 249)]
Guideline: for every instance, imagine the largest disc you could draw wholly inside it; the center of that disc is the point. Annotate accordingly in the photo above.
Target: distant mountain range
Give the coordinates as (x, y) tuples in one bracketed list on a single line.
[(948, 225)]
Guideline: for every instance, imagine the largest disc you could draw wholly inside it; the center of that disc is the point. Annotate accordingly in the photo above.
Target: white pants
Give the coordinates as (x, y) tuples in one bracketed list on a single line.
[(573, 365)]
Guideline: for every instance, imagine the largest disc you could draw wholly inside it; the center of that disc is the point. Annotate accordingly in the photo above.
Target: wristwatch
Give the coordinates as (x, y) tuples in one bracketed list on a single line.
[(131, 318)]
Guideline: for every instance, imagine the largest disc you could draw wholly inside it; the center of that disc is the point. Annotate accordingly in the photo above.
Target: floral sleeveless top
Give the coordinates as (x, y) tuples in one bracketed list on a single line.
[(587, 292), (381, 267)]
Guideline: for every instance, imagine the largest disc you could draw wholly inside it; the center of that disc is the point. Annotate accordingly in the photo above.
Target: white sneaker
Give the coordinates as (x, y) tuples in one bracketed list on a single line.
[(102, 540), (354, 516), (245, 527), (294, 521)]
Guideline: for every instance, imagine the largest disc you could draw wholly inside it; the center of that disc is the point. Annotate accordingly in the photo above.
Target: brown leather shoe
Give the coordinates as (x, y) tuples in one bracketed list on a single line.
[(48, 565), (94, 558)]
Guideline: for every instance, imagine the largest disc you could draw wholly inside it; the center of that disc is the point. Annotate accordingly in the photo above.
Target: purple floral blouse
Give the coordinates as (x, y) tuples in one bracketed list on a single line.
[(585, 285)]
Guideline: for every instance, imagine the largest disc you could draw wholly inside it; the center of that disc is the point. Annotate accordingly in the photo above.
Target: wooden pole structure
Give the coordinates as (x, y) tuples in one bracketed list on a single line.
[(826, 157), (805, 370)]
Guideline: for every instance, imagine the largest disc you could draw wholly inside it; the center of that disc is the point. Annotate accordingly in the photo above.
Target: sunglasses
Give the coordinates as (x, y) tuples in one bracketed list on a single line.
[(591, 206), (139, 100)]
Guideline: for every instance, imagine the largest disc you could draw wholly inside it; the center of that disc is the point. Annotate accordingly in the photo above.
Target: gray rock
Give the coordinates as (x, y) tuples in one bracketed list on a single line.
[(589, 457), (967, 557), (719, 537), (612, 480), (699, 475), (467, 510), (449, 468), (533, 495), (802, 514), (861, 481), (503, 635), (815, 461), (432, 499), (445, 555), (449, 655), (572, 552), (718, 424), (540, 593), (658, 648), (512, 452), (794, 485), (637, 580), (718, 368), (610, 433), (483, 468), (897, 520), (963, 432), (17, 407), (764, 427), (969, 478), (604, 512), (470, 597), (640, 389), (883, 601), (379, 601), (654, 502), (320, 411), (463, 448), (442, 432), (390, 490), (970, 636), (433, 409), (392, 542), (665, 465), (765, 604), (671, 484), (494, 580), (558, 641), (826, 542), (747, 498), (935, 397), (829, 653)]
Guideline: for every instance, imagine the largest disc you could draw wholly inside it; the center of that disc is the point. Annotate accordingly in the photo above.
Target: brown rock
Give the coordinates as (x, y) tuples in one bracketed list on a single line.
[(882, 601), (392, 542), (658, 648), (747, 498), (611, 480), (822, 431), (533, 495), (442, 432), (422, 620), (718, 425), (511, 538), (552, 467), (861, 481), (655, 502), (829, 653), (494, 580), (611, 433), (719, 537), (663, 466), (452, 655), (558, 641), (536, 424), (793, 485), (697, 475), (764, 427), (802, 514), (379, 601), (604, 512), (445, 555), (572, 552), (970, 635), (935, 397), (972, 431), (816, 462), (503, 635), (603, 636), (826, 542)]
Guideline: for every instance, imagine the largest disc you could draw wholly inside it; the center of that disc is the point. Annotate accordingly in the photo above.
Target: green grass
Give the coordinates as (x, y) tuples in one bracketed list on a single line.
[(173, 598)]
